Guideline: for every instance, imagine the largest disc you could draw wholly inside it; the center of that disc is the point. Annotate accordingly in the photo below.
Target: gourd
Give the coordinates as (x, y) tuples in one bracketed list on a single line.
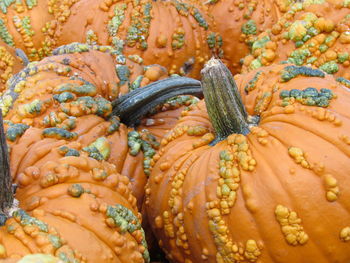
[(25, 25), (70, 95), (240, 22), (310, 33), (258, 167), (175, 34), (62, 197), (181, 43)]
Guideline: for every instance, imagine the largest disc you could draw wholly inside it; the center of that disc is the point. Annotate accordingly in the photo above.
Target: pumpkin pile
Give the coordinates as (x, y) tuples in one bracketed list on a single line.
[(59, 123), (124, 136)]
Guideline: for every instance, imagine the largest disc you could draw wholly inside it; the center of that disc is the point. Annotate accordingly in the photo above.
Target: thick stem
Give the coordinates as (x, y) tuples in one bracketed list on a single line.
[(223, 101), (6, 194), (133, 106), (20, 53)]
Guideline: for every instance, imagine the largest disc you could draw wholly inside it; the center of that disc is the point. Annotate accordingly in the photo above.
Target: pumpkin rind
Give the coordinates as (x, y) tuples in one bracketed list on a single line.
[(171, 33), (10, 63), (240, 22), (310, 33), (282, 187), (60, 92)]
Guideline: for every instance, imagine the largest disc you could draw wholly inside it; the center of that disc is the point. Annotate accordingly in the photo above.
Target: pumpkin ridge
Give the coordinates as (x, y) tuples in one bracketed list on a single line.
[(21, 157), (188, 198), (173, 205), (256, 222), (90, 229), (188, 209), (32, 157), (50, 188), (81, 227), (124, 133)]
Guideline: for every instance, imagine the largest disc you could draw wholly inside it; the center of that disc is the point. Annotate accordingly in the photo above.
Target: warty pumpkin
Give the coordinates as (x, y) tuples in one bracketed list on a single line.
[(29, 25), (175, 34), (256, 175), (310, 33), (70, 95), (240, 22), (72, 206)]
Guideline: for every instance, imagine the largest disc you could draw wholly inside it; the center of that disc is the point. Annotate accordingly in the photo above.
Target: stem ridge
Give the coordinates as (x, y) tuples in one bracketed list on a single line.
[(223, 100)]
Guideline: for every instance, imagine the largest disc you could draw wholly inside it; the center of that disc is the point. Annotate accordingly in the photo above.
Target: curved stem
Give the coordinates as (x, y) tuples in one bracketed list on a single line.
[(6, 194), (133, 106), (223, 101), (20, 53)]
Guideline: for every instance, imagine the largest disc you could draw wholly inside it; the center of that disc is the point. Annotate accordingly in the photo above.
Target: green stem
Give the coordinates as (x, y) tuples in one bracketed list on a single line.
[(223, 101), (133, 106), (6, 194)]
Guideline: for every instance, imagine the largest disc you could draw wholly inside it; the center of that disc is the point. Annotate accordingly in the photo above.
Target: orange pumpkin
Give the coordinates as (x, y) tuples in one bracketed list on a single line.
[(239, 23), (61, 195), (28, 24), (174, 34), (311, 33), (70, 95), (257, 178)]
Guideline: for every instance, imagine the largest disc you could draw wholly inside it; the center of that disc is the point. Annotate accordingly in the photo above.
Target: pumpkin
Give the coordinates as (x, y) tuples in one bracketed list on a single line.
[(174, 34), (69, 96), (10, 63), (256, 172), (240, 22), (310, 33), (28, 25), (62, 197)]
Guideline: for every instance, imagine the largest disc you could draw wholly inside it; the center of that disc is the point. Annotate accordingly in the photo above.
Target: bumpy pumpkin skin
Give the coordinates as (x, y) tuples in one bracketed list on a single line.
[(278, 194), (315, 34), (28, 25), (74, 87), (166, 115), (240, 22), (10, 63), (67, 148), (47, 95), (173, 34), (70, 194)]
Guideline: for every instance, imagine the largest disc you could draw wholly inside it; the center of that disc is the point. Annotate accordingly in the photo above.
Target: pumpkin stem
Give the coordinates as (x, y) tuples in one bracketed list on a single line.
[(20, 53), (6, 193), (133, 106), (223, 101)]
